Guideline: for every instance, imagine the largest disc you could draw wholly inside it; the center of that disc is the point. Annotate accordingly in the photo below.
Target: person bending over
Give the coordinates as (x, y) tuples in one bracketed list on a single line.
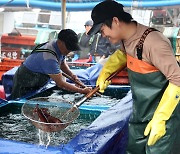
[(47, 61)]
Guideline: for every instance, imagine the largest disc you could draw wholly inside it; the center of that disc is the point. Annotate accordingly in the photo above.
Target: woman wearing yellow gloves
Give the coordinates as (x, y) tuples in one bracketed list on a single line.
[(154, 78)]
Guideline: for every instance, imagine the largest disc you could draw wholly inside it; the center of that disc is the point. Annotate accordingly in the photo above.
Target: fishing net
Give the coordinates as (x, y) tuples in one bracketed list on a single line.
[(47, 113)]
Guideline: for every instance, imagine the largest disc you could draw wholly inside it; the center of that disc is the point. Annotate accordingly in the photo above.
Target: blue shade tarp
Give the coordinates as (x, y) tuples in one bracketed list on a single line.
[(85, 5)]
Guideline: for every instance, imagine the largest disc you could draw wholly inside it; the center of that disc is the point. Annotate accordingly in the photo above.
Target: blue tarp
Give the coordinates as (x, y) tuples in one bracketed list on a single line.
[(14, 147), (7, 80), (88, 76), (107, 134)]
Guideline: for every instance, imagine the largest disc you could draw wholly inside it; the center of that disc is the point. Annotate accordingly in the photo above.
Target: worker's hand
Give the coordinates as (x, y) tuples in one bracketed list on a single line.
[(86, 90), (74, 76), (102, 83), (77, 80), (116, 61), (155, 129)]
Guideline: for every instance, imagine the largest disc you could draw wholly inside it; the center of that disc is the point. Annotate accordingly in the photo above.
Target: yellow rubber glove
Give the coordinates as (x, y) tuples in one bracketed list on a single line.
[(156, 128), (115, 61)]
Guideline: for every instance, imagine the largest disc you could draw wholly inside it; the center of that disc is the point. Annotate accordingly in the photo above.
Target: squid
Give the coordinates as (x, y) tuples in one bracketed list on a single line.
[(44, 115)]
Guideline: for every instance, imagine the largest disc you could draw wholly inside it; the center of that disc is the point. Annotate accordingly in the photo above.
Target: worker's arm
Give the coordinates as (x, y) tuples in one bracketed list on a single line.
[(65, 68), (67, 86)]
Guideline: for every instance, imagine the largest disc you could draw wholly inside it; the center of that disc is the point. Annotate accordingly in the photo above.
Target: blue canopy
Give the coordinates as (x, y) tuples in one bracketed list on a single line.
[(84, 5)]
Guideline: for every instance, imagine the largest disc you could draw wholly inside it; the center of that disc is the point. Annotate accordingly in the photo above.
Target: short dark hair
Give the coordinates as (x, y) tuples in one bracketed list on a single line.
[(108, 22), (70, 38)]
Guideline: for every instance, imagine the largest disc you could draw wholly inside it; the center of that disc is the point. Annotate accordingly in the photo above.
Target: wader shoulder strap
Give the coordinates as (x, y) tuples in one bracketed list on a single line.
[(139, 46), (37, 49), (39, 45)]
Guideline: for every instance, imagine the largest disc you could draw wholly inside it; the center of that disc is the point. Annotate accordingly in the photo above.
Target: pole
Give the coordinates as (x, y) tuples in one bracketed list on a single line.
[(63, 13)]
